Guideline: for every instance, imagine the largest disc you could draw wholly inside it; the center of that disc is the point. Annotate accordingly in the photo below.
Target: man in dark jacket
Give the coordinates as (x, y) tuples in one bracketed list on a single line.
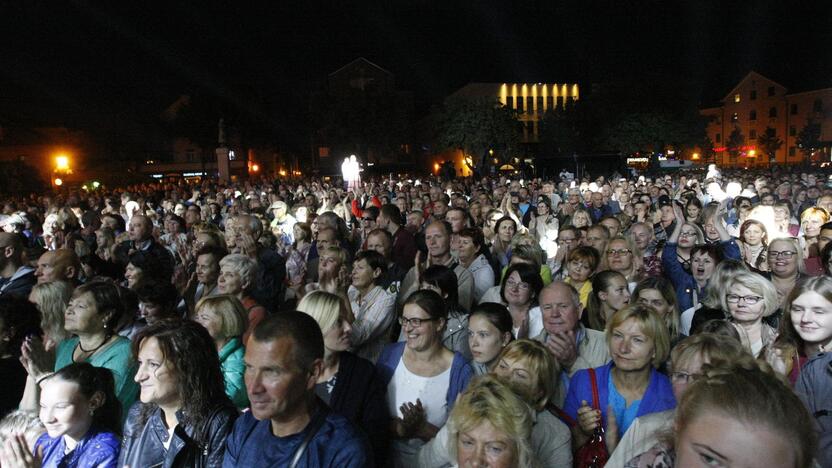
[(16, 279)]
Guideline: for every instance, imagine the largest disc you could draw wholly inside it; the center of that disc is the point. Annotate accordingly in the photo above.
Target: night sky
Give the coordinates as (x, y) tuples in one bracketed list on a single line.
[(83, 64)]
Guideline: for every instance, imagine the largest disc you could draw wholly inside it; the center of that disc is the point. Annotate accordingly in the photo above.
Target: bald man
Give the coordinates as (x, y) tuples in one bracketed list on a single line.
[(16, 279), (58, 265)]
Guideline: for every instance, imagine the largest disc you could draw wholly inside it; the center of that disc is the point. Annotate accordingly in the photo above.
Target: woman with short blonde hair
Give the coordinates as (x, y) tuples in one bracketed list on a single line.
[(489, 403), (748, 298)]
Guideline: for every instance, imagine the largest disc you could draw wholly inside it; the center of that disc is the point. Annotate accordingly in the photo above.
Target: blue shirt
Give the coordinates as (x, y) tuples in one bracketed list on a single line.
[(95, 450), (657, 397), (337, 444), (624, 415)]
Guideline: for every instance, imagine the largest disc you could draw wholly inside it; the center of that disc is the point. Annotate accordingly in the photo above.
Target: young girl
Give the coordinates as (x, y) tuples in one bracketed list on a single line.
[(581, 262), (610, 293)]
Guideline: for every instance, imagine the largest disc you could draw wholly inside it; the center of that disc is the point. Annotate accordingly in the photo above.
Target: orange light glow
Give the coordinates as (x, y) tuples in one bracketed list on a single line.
[(255, 168), (59, 182), (62, 162)]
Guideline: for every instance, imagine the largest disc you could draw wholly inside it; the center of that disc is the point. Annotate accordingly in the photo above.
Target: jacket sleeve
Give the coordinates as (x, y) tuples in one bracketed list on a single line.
[(576, 394), (730, 249), (221, 428), (235, 386), (434, 454), (461, 374), (672, 268)]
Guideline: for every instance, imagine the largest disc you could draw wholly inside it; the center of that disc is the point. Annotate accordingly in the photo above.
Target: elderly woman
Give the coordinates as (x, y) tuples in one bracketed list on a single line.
[(786, 265), (182, 399), (629, 386), (489, 331), (531, 372), (727, 419), (422, 377), (91, 318), (82, 417), (749, 298), (686, 361), (810, 222), (226, 319), (348, 384), (238, 275), (505, 228), (491, 426)]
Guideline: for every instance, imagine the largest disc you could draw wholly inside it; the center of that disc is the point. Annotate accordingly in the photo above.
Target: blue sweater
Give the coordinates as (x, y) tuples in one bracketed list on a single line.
[(460, 370), (683, 282), (337, 444), (658, 396)]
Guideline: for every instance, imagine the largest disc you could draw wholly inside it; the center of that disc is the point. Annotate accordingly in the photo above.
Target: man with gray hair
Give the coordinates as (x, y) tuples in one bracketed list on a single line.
[(574, 346), (269, 285)]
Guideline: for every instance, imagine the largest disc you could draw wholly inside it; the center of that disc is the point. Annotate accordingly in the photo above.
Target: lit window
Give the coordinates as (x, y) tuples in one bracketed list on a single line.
[(735, 117), (737, 97)]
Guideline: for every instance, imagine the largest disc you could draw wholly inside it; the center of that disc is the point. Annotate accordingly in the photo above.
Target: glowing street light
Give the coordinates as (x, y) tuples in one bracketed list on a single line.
[(58, 182), (61, 162)]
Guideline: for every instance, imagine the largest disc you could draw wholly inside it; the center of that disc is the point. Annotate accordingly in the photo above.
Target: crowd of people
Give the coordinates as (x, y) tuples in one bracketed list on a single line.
[(660, 320)]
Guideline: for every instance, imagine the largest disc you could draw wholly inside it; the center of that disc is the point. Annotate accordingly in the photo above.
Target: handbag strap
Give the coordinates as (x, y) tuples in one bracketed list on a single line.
[(596, 402), (317, 422)]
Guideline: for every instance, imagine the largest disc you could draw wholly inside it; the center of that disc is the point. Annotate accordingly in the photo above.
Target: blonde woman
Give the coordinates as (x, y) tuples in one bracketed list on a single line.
[(226, 319), (748, 298), (489, 415), (52, 299), (348, 383)]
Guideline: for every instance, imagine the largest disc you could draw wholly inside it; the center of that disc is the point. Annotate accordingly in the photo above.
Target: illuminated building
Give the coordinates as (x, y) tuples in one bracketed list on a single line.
[(530, 100), (757, 103)]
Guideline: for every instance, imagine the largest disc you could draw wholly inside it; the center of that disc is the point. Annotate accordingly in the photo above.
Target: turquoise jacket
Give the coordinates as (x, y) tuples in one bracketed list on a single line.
[(233, 368)]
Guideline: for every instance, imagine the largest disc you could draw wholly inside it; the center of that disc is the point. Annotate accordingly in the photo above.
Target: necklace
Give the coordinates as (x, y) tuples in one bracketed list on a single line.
[(93, 350)]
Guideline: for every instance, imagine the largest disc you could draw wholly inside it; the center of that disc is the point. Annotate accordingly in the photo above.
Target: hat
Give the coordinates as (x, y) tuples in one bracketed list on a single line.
[(664, 200)]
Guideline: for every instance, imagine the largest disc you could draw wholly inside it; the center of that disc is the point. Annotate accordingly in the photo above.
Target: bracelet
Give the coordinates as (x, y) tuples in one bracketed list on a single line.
[(44, 377)]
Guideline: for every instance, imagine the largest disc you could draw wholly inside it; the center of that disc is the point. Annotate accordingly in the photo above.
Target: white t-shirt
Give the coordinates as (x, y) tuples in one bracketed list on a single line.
[(407, 387)]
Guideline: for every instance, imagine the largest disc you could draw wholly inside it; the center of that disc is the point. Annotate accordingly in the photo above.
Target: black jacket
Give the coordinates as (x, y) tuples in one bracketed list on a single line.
[(143, 446)]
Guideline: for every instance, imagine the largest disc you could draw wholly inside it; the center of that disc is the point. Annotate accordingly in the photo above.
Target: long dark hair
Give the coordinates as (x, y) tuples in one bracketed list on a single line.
[(445, 279), (92, 380), (195, 361)]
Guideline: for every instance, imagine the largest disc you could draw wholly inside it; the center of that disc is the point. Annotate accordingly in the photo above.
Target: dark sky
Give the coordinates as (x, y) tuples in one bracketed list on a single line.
[(82, 63)]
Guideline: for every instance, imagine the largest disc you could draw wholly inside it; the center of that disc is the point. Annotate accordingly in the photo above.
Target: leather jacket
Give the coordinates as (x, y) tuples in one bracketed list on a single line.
[(143, 446)]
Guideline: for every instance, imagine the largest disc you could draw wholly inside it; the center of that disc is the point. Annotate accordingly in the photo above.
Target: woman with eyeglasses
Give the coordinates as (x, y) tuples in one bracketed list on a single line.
[(749, 298), (690, 284), (622, 255), (422, 377), (686, 361), (785, 264), (519, 291)]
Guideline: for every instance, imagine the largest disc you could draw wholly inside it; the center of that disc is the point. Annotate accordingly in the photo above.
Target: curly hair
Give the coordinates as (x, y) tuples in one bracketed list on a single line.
[(192, 354)]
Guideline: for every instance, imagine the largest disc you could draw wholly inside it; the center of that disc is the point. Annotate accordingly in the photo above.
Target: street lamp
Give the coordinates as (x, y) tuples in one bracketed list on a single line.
[(62, 162)]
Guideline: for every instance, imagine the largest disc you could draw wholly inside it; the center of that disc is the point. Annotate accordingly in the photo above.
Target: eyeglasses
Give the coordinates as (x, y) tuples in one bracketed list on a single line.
[(615, 252), (684, 377), (519, 285), (413, 322), (750, 300), (687, 234), (783, 253)]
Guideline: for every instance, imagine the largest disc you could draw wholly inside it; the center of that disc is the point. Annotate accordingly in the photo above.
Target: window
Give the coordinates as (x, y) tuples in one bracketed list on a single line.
[(323, 151), (190, 155), (817, 106), (519, 100), (792, 150), (752, 134), (529, 104), (718, 138), (772, 113), (771, 90), (737, 97), (560, 101), (734, 117), (752, 115), (540, 103), (550, 102), (753, 95), (793, 109), (792, 131)]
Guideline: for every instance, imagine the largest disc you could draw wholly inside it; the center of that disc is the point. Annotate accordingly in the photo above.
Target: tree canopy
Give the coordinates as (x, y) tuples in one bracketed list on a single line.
[(476, 126)]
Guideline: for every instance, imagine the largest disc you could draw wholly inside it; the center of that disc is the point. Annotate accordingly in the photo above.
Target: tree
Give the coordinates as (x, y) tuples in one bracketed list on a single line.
[(808, 140), (476, 126), (652, 133), (560, 132), (735, 142), (769, 143)]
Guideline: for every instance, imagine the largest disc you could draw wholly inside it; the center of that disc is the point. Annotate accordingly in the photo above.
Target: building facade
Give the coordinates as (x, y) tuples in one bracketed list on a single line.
[(757, 103)]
